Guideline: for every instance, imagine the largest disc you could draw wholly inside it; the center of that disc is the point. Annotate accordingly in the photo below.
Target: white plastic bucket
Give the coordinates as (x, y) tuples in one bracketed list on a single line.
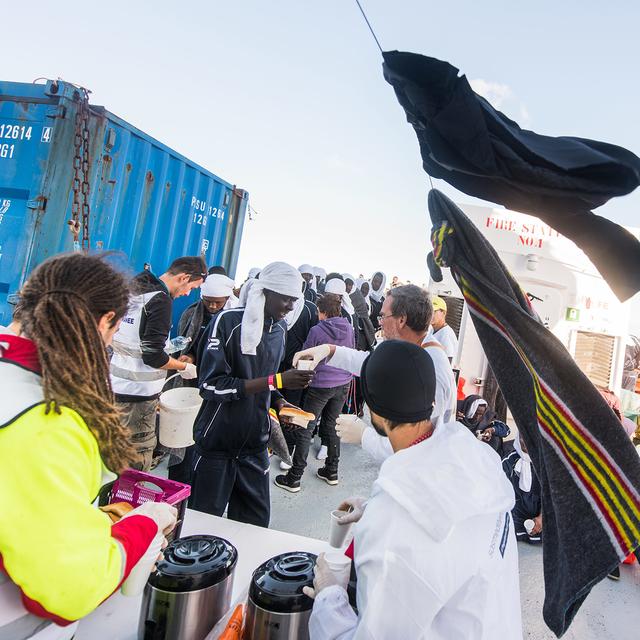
[(178, 410)]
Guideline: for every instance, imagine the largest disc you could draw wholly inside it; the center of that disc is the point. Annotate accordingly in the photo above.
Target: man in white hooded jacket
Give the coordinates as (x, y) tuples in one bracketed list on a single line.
[(435, 551)]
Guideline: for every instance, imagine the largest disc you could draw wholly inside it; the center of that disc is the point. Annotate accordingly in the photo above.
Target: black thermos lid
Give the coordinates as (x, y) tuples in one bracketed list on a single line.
[(277, 584), (194, 562)]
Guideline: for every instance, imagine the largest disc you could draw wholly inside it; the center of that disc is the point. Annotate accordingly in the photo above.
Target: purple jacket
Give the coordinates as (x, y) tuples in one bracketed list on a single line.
[(336, 331)]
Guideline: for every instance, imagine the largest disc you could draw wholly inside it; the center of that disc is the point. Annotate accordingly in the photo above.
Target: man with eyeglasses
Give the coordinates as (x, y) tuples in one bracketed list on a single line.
[(405, 315)]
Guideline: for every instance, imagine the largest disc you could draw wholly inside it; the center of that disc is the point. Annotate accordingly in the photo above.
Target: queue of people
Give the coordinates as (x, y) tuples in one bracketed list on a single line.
[(97, 415)]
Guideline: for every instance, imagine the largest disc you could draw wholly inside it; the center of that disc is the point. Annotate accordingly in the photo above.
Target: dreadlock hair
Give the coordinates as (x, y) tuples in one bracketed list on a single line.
[(60, 306)]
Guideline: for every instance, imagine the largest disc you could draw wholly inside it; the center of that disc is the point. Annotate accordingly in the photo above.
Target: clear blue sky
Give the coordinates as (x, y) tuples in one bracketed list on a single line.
[(287, 99)]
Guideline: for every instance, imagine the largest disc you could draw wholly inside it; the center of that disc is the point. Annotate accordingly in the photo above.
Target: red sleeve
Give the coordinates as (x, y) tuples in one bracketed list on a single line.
[(135, 534)]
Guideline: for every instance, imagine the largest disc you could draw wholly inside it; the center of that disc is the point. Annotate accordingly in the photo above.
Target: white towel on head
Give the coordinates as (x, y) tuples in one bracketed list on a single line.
[(307, 268), (348, 276), (278, 277), (217, 286), (523, 466), (474, 407), (377, 294), (292, 317), (253, 272), (339, 288), (319, 272)]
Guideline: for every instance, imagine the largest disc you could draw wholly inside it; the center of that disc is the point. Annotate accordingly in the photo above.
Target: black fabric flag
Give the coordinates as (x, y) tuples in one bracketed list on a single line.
[(588, 469), (481, 152)]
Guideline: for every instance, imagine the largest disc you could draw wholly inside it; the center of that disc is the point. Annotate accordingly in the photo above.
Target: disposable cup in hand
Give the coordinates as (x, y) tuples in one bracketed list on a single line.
[(338, 532), (137, 579), (529, 525), (305, 365), (340, 566)]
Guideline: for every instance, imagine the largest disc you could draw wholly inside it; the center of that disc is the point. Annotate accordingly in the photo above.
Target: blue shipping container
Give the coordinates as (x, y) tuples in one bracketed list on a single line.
[(146, 200)]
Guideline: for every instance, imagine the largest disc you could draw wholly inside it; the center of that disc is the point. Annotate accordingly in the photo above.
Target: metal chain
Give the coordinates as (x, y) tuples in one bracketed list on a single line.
[(81, 191)]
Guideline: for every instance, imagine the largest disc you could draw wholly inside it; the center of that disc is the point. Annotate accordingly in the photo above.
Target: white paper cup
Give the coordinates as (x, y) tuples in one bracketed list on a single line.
[(305, 365), (134, 585), (529, 525), (340, 566), (338, 532)]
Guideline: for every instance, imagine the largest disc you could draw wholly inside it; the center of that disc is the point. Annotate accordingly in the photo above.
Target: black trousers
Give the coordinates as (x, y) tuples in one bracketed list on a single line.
[(239, 484), (326, 405)]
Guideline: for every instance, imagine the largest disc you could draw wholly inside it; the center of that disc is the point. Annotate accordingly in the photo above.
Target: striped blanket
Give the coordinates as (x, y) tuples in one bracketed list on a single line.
[(587, 466)]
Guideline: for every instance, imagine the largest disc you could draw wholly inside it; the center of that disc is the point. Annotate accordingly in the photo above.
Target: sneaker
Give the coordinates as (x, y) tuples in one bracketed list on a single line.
[(330, 477), (285, 466), (323, 452), (615, 574), (287, 483)]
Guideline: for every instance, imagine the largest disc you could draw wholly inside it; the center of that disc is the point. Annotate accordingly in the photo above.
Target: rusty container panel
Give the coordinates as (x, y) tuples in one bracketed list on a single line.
[(147, 201)]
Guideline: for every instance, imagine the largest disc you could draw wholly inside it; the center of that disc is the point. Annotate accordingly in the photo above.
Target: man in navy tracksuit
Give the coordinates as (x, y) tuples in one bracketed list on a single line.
[(238, 382)]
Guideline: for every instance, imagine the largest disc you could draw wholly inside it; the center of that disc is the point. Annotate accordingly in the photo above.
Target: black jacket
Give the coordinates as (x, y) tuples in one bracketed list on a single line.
[(309, 294), (193, 324), (231, 423), (297, 335)]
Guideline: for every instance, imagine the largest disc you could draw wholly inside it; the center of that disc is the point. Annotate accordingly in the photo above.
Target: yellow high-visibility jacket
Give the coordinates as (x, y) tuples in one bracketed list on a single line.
[(56, 547)]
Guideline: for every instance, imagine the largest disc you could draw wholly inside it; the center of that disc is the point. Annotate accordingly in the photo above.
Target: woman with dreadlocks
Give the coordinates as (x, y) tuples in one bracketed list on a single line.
[(60, 439)]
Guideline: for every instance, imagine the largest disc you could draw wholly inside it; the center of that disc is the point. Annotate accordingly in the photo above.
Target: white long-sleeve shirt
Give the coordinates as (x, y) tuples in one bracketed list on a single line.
[(435, 551), (444, 407)]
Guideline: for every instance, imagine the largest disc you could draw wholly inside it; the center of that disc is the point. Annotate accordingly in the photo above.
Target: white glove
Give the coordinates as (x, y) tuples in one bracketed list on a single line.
[(163, 514), (190, 372), (350, 428), (315, 354), (355, 506), (323, 578)]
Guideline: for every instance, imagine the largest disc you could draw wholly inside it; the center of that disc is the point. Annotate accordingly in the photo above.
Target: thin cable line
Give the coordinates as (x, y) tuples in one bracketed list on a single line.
[(364, 15)]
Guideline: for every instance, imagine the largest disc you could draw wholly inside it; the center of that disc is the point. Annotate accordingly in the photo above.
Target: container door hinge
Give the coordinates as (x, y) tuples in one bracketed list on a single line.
[(38, 203)]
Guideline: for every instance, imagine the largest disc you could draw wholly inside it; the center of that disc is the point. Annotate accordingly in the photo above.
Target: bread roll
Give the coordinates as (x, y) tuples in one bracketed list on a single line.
[(297, 416), (116, 510)]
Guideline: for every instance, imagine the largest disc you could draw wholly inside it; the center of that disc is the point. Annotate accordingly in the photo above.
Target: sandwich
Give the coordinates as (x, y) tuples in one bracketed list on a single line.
[(116, 510), (296, 416)]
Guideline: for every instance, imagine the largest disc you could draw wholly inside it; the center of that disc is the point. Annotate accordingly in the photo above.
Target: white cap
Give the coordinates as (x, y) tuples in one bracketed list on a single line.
[(335, 286), (306, 268), (217, 286)]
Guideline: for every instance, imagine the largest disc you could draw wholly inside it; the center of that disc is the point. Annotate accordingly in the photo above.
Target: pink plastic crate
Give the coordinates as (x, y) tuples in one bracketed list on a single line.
[(130, 487), (134, 487)]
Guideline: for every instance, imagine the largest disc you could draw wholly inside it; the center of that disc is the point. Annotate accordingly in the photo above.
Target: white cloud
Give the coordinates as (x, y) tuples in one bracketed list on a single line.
[(497, 94), (502, 97)]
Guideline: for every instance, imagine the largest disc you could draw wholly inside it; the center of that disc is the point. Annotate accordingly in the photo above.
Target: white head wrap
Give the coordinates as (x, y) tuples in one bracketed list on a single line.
[(307, 268), (377, 294), (339, 288), (253, 272), (523, 466), (320, 273), (292, 317), (279, 277), (348, 276), (474, 407), (217, 286)]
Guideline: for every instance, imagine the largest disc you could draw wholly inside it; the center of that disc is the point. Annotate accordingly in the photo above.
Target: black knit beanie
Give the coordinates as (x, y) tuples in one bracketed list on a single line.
[(399, 382)]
